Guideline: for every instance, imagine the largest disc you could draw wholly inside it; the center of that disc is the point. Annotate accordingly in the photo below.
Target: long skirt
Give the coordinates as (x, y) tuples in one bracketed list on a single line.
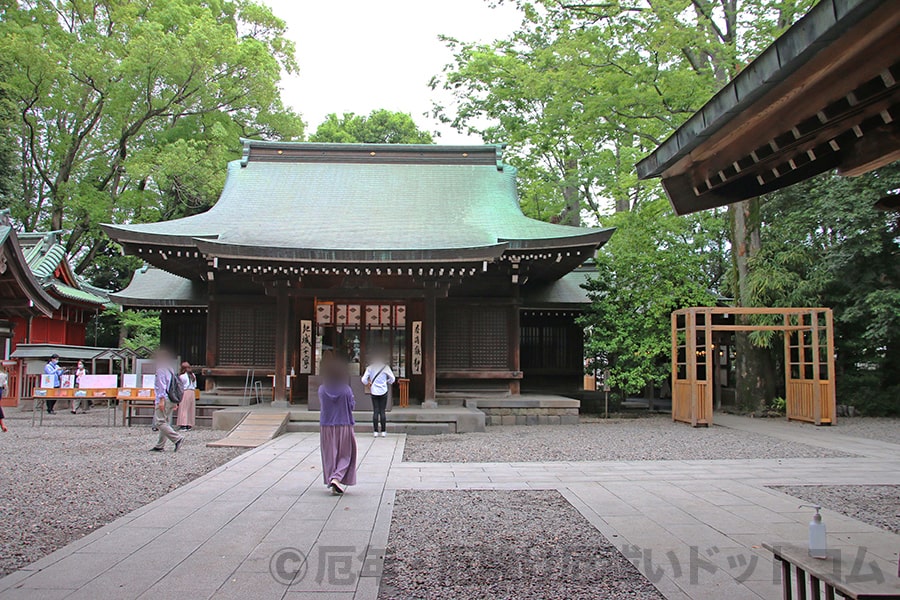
[(338, 445), (186, 409)]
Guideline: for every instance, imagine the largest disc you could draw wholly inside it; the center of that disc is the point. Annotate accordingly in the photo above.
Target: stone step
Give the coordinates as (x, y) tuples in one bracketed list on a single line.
[(360, 428)]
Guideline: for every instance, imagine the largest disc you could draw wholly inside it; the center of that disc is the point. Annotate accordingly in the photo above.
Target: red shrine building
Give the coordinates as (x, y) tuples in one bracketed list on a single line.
[(79, 302), (421, 251)]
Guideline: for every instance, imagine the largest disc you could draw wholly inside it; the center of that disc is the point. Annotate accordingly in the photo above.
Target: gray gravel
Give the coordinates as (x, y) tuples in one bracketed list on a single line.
[(652, 438), (877, 505), (502, 544), (63, 480), (881, 429)]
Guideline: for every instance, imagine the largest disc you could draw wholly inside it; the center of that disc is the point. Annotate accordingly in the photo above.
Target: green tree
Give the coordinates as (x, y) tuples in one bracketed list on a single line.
[(654, 264), (380, 127), (824, 244), (128, 108), (583, 89)]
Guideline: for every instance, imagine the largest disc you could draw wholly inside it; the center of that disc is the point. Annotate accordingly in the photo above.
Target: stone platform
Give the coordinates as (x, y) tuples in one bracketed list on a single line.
[(413, 420), (466, 415)]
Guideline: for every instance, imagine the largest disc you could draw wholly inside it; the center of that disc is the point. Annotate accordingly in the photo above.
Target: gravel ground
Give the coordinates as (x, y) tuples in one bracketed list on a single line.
[(651, 438), (876, 505), (63, 480), (502, 544), (881, 429)]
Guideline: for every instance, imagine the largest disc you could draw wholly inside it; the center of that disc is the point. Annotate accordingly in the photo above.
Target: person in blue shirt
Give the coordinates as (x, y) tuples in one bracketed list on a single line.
[(53, 368)]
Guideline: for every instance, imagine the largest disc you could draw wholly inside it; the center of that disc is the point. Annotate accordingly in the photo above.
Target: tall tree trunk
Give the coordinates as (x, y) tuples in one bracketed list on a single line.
[(571, 213), (755, 367)]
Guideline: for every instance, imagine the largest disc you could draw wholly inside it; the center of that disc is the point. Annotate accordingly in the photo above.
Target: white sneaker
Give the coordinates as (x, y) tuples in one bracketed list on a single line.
[(375, 434), (384, 434)]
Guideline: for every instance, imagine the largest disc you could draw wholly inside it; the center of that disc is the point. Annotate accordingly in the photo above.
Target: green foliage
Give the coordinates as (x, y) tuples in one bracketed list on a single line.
[(779, 405), (127, 109), (141, 327), (824, 244), (654, 264), (583, 90), (380, 127)]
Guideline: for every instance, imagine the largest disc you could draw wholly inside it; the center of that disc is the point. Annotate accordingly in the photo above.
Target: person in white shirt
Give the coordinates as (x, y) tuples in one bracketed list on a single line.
[(186, 408), (379, 378), (84, 402)]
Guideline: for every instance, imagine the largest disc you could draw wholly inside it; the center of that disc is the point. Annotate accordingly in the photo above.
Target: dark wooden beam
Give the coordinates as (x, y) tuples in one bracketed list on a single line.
[(282, 329), (873, 150)]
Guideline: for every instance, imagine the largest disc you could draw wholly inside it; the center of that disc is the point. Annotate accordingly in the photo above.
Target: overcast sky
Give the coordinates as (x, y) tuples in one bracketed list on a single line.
[(359, 55)]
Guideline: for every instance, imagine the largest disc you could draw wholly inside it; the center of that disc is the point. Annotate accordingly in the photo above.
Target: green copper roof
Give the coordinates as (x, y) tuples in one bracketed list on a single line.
[(323, 197), (73, 293), (152, 287), (44, 254), (566, 291)]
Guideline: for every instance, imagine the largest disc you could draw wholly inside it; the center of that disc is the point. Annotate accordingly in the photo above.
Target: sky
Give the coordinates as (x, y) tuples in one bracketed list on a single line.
[(360, 55)]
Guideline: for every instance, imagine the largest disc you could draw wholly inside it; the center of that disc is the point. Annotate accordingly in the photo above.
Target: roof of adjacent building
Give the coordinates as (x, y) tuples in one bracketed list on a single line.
[(824, 95), (568, 291), (21, 294), (334, 202), (46, 257), (154, 288)]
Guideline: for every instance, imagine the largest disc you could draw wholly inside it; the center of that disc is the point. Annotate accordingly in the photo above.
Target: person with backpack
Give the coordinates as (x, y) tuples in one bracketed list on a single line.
[(378, 379), (169, 392)]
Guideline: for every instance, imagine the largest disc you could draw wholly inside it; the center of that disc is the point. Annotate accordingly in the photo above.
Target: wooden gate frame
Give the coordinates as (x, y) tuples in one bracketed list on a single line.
[(809, 393)]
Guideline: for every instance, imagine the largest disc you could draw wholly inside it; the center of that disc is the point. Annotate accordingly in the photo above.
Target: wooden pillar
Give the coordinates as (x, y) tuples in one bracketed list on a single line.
[(515, 385), (832, 377), (674, 381), (429, 359), (690, 328), (788, 336), (212, 334), (282, 327), (710, 365), (816, 354)]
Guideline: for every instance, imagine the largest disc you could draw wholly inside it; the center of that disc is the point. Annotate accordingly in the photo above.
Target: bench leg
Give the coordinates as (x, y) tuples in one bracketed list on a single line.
[(801, 583), (786, 580)]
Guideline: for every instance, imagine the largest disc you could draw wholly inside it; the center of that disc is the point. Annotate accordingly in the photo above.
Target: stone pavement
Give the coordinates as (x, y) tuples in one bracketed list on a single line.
[(693, 527)]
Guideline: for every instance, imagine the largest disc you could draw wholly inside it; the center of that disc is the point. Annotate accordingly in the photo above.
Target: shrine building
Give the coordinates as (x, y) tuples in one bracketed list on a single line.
[(418, 250)]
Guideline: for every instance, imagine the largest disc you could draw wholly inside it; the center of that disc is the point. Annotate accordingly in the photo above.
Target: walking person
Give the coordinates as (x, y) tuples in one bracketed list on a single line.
[(378, 379), (187, 408), (168, 394), (53, 369), (4, 383), (84, 402), (336, 439)]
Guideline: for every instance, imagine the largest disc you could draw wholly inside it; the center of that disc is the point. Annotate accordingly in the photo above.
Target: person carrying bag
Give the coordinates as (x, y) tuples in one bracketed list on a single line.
[(378, 378)]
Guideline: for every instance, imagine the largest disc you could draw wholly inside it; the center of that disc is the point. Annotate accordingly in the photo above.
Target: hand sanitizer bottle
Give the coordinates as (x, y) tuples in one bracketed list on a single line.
[(818, 548)]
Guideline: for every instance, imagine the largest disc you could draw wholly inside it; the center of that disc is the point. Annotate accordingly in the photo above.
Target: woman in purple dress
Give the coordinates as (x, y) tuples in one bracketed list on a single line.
[(338, 444)]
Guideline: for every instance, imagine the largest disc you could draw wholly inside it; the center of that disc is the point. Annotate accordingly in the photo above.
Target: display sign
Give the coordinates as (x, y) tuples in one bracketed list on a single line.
[(417, 347), (306, 334)]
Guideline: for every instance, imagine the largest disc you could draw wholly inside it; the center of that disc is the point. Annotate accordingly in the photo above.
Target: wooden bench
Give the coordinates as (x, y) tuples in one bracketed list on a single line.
[(134, 398), (838, 576)]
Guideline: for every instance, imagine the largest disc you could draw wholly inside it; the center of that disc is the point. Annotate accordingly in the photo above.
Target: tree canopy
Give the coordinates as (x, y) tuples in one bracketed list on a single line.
[(128, 109), (379, 127)]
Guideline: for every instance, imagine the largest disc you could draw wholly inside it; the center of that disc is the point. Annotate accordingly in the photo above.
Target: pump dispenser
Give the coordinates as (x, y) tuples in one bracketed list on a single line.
[(818, 548)]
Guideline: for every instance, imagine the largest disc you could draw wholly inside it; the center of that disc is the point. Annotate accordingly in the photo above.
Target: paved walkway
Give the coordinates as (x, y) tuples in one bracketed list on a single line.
[(694, 527)]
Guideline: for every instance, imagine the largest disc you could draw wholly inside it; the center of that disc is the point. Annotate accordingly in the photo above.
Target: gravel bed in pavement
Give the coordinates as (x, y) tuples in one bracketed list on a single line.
[(651, 438), (73, 475), (502, 544), (876, 505), (873, 428)]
